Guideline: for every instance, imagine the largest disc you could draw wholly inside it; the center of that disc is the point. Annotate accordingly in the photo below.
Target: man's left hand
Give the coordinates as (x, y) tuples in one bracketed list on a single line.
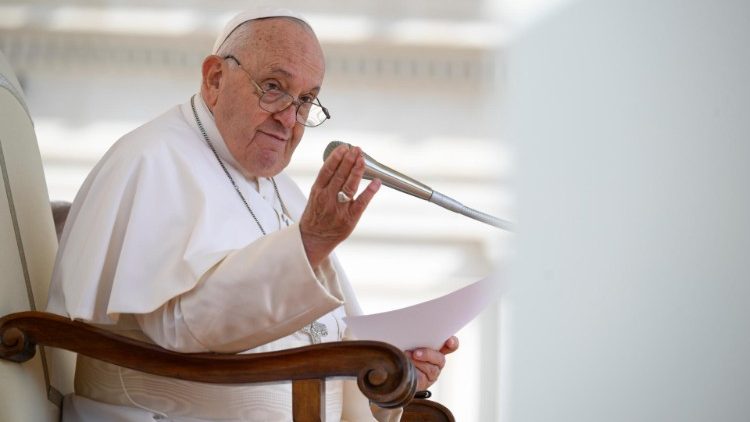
[(430, 362)]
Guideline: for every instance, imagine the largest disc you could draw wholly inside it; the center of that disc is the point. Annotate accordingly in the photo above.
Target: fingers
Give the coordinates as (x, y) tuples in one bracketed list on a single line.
[(429, 356), (349, 173), (430, 363), (360, 204), (326, 222), (427, 371), (450, 345), (342, 170), (354, 175), (428, 375), (330, 165)]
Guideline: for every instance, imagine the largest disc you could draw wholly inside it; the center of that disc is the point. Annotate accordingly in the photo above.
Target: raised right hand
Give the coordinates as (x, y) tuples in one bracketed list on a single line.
[(326, 222)]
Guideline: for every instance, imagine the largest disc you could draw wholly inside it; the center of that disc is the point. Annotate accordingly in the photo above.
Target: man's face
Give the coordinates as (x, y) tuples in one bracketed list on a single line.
[(282, 53)]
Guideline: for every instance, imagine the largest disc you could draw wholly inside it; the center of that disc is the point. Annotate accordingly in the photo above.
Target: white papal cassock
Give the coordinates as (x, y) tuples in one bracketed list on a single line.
[(158, 246)]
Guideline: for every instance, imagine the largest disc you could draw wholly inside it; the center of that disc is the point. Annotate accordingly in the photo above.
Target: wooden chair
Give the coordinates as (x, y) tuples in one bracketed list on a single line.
[(34, 383)]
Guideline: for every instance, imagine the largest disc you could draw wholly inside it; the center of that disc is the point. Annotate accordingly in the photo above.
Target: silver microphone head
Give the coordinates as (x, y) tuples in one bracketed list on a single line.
[(387, 175), (331, 146)]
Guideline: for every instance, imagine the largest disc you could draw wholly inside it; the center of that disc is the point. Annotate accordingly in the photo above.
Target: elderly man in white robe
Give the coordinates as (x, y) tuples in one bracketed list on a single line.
[(189, 235)]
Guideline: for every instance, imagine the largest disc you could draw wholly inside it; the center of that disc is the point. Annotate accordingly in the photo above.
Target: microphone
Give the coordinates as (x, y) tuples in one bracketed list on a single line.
[(395, 180)]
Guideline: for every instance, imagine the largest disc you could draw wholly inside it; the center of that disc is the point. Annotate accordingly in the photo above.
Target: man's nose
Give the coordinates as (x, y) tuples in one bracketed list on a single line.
[(287, 117)]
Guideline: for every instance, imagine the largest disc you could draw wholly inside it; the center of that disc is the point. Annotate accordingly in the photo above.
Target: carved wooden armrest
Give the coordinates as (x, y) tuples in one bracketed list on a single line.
[(426, 410), (384, 374)]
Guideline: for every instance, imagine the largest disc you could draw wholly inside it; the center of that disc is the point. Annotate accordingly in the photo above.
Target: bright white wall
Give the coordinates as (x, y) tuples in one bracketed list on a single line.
[(631, 296)]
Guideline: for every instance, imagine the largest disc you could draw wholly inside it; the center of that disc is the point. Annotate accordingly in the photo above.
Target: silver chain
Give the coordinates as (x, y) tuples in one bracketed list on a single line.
[(231, 179), (315, 329)]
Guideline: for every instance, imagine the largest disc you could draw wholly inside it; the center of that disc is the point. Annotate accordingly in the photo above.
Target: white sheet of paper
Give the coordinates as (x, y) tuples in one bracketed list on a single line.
[(428, 324)]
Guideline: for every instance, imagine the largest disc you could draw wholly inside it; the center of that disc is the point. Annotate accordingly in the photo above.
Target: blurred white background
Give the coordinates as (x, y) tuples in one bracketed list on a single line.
[(418, 84), (630, 298)]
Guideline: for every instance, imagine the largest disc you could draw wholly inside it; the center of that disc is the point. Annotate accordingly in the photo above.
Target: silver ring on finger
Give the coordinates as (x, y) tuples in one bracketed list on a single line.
[(342, 197)]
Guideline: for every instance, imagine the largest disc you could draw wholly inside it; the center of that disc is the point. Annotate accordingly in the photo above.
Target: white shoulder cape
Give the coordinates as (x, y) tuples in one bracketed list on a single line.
[(153, 217)]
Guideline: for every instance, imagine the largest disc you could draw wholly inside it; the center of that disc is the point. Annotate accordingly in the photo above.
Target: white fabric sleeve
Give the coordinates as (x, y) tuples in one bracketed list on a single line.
[(255, 295)]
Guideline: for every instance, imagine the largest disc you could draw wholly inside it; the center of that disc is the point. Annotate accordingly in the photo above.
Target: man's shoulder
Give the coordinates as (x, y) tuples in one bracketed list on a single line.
[(165, 135), (152, 156)]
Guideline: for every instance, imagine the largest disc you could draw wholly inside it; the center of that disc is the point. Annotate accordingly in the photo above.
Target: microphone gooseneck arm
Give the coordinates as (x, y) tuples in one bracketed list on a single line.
[(455, 206), (406, 184)]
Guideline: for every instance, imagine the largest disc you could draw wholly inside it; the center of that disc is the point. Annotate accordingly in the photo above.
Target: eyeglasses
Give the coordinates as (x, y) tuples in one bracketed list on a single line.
[(310, 112)]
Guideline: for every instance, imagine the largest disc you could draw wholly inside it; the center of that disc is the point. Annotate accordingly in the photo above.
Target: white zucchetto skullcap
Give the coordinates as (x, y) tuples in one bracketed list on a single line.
[(252, 14)]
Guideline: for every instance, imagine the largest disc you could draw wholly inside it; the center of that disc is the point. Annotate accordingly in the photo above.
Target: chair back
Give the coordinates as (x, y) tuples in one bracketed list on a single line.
[(31, 391)]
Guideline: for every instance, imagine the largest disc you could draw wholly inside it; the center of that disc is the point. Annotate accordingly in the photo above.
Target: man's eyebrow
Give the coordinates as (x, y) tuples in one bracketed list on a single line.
[(280, 71)]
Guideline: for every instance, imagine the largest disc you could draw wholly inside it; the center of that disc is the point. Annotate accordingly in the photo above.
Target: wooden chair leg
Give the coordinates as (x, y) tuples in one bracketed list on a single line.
[(309, 400)]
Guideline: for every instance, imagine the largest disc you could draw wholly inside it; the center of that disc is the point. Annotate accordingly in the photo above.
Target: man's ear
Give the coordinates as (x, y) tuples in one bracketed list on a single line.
[(213, 73)]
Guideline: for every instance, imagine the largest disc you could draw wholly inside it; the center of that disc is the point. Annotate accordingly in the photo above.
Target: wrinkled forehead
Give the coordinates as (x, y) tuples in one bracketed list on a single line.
[(281, 29), (280, 40)]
